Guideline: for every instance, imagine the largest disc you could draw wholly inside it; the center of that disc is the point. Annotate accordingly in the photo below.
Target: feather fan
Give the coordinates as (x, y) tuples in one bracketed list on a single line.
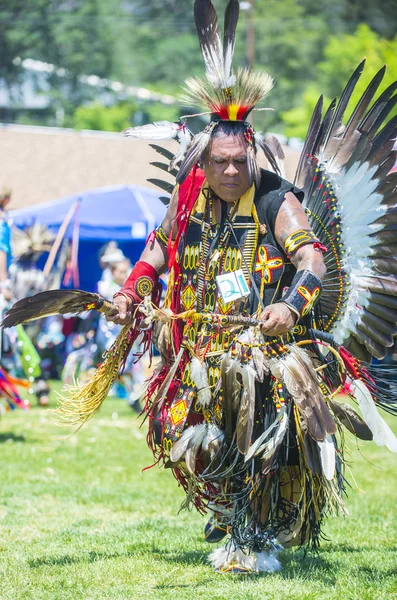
[(350, 200)]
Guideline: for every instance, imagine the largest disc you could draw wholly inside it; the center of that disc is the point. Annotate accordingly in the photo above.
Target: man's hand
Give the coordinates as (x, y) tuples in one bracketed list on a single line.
[(277, 319), (125, 306)]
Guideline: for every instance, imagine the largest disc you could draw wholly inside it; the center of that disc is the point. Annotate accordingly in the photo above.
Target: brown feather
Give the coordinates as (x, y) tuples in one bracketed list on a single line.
[(296, 371), (373, 332), (380, 285), (358, 349), (384, 312), (245, 419), (378, 323), (377, 350), (51, 302), (351, 420)]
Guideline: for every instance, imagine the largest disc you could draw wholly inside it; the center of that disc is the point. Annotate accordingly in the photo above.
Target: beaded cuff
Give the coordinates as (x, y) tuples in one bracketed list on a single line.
[(142, 281), (303, 293), (161, 236), (300, 238)]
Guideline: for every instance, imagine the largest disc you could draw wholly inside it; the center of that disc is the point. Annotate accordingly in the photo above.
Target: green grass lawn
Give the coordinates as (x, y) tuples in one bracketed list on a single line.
[(79, 519)]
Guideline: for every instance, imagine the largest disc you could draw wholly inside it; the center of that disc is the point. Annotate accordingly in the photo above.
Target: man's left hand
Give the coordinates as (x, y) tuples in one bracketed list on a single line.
[(277, 319)]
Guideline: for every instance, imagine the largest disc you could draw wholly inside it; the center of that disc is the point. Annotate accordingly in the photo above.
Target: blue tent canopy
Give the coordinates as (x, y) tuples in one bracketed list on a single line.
[(125, 214), (120, 213)]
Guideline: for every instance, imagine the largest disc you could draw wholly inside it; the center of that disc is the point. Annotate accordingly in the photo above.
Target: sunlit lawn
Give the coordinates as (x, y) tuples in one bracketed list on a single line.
[(79, 519)]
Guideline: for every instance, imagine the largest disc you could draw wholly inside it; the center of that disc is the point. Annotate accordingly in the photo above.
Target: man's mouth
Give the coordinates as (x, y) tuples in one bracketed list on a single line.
[(231, 185)]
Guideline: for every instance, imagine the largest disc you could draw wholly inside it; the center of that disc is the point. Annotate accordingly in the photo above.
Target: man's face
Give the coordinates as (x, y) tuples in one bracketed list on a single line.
[(226, 167)]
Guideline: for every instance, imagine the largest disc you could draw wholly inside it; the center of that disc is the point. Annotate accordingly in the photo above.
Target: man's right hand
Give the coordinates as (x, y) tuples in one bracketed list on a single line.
[(125, 306)]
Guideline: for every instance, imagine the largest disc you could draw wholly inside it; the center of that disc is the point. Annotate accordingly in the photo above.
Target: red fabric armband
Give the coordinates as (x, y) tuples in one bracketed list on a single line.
[(142, 281)]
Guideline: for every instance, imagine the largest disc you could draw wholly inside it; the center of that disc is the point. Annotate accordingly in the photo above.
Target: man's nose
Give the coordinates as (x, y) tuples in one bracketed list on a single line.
[(231, 170)]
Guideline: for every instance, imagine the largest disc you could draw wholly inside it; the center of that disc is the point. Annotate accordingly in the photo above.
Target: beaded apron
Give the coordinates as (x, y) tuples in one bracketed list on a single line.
[(208, 252)]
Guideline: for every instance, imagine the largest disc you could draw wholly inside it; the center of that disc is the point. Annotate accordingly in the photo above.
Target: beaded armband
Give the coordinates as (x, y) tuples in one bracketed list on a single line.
[(303, 293), (300, 238), (161, 236), (142, 281)]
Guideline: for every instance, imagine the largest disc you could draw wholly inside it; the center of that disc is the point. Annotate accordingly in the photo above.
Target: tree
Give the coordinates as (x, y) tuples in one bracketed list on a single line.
[(342, 55), (97, 116)]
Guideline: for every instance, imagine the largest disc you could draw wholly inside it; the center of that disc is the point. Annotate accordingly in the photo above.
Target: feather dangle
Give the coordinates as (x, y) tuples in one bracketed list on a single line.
[(199, 375), (351, 420), (272, 447), (327, 457), (245, 419), (258, 446), (382, 434), (296, 371), (204, 435)]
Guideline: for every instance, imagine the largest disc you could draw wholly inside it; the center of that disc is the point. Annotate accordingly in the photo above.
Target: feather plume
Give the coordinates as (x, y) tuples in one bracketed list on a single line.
[(188, 446), (213, 440), (382, 434), (159, 130), (312, 452), (254, 173), (262, 144), (249, 88)]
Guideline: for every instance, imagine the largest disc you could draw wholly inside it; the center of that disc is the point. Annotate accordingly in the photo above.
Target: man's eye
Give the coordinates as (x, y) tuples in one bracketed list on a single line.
[(219, 161), (241, 160)]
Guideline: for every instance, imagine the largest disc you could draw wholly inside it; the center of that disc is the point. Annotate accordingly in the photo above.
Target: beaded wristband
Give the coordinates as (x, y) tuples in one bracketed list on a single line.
[(161, 236), (303, 293), (142, 281), (300, 238)]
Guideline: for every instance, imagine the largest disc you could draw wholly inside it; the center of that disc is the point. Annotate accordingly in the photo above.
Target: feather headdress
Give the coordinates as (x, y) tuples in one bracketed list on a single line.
[(224, 94)]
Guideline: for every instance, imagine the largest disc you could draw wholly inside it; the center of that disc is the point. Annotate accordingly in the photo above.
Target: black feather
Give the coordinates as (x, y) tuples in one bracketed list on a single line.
[(165, 167), (163, 151), (163, 185), (230, 24)]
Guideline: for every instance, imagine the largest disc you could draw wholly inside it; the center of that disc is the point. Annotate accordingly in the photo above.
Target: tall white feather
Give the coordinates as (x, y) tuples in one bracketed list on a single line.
[(383, 435)]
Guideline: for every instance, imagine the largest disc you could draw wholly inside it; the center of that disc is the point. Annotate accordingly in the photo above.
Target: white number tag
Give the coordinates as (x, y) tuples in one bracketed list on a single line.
[(232, 286)]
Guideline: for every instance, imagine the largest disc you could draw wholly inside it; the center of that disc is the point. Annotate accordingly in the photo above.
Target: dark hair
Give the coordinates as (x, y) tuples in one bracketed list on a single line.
[(230, 128), (225, 127)]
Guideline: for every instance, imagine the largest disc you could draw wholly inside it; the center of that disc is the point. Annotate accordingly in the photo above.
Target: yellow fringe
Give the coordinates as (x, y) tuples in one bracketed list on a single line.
[(83, 401)]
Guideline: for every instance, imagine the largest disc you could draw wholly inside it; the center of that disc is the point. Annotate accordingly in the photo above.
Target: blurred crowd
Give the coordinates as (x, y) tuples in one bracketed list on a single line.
[(64, 347)]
